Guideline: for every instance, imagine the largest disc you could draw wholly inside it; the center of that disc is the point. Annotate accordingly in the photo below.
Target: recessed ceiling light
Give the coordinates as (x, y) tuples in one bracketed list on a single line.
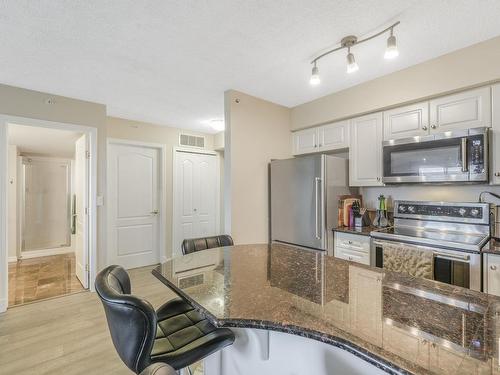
[(217, 124)]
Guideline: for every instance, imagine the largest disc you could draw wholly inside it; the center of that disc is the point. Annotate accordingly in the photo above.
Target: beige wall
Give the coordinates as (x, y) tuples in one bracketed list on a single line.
[(464, 68), (168, 136), (12, 202), (20, 102), (256, 132)]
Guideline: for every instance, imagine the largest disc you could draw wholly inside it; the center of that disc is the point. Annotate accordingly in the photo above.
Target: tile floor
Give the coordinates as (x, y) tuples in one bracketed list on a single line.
[(40, 278)]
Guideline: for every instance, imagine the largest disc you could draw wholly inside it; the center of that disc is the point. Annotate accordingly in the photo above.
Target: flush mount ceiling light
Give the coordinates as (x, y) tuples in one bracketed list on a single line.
[(217, 124), (351, 41)]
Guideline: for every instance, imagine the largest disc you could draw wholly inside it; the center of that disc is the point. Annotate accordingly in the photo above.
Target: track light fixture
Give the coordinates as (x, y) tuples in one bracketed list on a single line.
[(350, 41)]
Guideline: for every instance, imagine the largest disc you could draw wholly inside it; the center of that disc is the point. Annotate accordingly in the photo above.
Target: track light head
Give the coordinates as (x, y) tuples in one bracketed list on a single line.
[(352, 66), (315, 76), (392, 48)]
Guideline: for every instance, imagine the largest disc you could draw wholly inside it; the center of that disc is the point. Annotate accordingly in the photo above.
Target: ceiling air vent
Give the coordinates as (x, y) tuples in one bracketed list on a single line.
[(191, 141)]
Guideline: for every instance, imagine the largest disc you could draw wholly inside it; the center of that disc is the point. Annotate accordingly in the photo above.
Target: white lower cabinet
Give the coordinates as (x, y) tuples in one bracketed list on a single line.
[(352, 247), (365, 151), (365, 303), (491, 271), (406, 345), (444, 360)]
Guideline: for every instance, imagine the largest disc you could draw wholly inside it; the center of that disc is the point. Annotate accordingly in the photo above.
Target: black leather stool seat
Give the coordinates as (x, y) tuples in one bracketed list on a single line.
[(198, 244), (183, 335)]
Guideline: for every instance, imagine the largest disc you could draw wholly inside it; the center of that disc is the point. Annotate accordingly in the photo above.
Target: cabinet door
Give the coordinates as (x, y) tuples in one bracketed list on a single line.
[(406, 345), (365, 303), (495, 135), (334, 136), (305, 141), (444, 360), (469, 109), (365, 151), (407, 121), (493, 274)]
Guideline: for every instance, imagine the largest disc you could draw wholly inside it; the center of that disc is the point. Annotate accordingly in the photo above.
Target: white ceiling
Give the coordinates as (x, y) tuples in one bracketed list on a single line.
[(169, 62), (43, 141)]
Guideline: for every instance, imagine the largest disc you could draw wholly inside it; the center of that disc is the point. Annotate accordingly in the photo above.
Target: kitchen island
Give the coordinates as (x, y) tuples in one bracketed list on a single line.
[(292, 307)]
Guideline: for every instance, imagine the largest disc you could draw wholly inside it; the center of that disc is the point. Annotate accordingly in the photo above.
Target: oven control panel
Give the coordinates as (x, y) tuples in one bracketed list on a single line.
[(441, 210)]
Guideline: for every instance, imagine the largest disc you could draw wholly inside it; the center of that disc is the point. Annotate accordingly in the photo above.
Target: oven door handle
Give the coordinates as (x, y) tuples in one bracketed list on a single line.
[(465, 167), (463, 258)]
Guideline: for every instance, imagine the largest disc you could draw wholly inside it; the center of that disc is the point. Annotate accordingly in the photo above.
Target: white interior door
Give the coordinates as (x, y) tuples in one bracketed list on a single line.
[(195, 211), (81, 218), (133, 196)]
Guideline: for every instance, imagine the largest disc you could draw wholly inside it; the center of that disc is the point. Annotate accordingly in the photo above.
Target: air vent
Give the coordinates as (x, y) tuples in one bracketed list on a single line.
[(189, 281), (191, 141)]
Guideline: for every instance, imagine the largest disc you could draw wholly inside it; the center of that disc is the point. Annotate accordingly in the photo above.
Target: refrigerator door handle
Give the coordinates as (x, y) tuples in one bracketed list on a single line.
[(316, 185)]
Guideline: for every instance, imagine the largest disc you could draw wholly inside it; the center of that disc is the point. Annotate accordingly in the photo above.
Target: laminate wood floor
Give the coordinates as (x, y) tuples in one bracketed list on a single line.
[(68, 335)]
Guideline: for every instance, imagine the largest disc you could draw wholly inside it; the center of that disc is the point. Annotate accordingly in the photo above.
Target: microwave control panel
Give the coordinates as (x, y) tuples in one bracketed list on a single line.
[(476, 155)]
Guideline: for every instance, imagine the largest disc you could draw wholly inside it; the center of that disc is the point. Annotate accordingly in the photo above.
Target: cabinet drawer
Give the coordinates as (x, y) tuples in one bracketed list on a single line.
[(354, 242), (352, 255)]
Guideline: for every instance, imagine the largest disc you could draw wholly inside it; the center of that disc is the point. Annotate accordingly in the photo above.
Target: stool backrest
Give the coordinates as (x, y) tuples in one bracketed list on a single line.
[(197, 244), (131, 320)]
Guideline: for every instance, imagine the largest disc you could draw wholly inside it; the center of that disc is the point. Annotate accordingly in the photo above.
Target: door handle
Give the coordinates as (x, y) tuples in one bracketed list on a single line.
[(464, 258), (155, 212), (464, 155), (316, 183)]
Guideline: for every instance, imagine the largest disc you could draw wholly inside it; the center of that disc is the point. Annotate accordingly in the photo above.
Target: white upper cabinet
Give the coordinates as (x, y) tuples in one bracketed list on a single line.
[(334, 136), (305, 141), (407, 121), (495, 135), (469, 109), (322, 138), (365, 151)]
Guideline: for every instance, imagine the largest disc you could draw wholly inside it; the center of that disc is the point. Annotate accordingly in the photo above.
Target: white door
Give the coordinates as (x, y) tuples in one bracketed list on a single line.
[(468, 109), (365, 151), (495, 135), (134, 204), (81, 219), (334, 136), (196, 194), (408, 121), (305, 141)]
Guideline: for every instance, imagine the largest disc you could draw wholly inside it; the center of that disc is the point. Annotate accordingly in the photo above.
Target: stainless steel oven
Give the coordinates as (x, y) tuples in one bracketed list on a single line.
[(452, 267), (453, 156)]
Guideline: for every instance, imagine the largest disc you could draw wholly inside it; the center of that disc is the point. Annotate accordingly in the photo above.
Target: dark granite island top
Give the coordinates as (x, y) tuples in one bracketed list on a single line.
[(400, 323)]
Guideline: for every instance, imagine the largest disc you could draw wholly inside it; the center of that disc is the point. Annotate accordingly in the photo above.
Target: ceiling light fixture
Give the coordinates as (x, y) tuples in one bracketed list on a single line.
[(217, 125), (315, 76), (392, 47), (350, 41)]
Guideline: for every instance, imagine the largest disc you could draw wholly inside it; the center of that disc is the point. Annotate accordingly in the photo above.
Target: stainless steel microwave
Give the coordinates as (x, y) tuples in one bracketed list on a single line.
[(452, 156)]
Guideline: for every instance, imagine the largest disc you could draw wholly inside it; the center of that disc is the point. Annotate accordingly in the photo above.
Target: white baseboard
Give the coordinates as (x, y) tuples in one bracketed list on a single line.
[(12, 259), (46, 252)]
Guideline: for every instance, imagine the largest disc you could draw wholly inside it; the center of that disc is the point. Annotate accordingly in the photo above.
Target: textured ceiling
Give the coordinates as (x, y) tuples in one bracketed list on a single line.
[(169, 62), (43, 141)]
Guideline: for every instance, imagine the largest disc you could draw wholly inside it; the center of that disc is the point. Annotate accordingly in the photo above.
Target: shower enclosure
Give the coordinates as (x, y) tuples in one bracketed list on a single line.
[(45, 203)]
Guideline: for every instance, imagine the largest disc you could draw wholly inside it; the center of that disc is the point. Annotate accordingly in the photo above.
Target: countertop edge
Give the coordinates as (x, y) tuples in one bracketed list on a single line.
[(344, 344)]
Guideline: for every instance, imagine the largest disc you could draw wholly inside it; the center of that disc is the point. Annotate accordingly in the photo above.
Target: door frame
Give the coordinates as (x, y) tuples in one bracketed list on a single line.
[(175, 151), (91, 180), (162, 190)]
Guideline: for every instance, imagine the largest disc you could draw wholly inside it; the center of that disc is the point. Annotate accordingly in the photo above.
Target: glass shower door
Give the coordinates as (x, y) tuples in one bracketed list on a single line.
[(46, 215)]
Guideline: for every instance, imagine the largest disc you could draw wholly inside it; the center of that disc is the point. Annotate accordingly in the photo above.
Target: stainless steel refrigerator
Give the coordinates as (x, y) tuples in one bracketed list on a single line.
[(304, 199)]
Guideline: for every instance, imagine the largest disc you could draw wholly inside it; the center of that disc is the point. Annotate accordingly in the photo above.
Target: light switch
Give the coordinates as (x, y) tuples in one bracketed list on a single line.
[(100, 201)]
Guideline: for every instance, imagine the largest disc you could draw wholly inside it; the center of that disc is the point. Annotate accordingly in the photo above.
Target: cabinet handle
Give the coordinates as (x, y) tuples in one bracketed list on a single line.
[(493, 268), (424, 341), (497, 174), (424, 127), (433, 344), (433, 126)]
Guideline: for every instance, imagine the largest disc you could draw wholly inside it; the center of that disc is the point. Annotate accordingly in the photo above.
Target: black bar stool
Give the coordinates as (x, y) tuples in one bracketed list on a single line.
[(197, 244), (175, 334)]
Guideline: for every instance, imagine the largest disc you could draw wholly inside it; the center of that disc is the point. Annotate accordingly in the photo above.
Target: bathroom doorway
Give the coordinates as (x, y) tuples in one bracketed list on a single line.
[(47, 212)]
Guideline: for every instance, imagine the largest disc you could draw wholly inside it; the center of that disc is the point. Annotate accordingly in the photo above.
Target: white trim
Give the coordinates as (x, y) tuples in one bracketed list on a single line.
[(12, 259), (162, 190), (175, 150), (46, 252), (91, 133)]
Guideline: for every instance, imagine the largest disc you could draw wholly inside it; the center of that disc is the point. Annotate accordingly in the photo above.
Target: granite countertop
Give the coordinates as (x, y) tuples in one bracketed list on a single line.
[(491, 247), (364, 231), (400, 323)]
